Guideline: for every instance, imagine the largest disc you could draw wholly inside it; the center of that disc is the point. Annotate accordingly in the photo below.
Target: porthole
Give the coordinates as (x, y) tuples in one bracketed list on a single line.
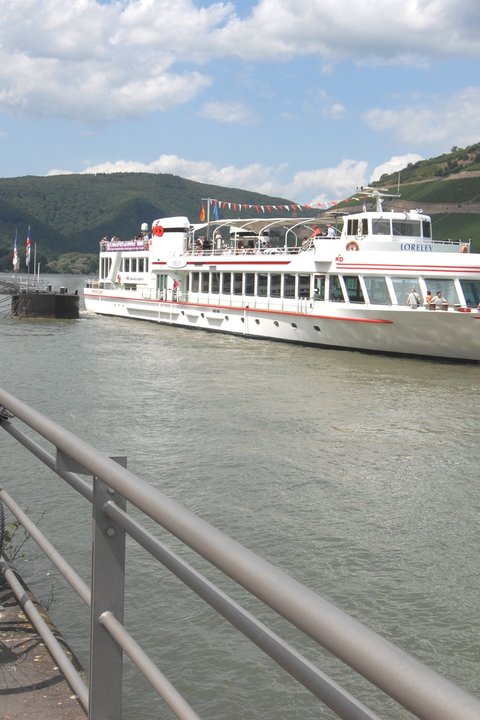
[(294, 325), (227, 318), (183, 312), (202, 315), (243, 320), (257, 321), (275, 322), (315, 327)]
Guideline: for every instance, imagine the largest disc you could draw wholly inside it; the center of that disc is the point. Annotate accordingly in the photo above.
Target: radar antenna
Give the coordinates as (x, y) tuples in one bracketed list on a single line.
[(378, 194)]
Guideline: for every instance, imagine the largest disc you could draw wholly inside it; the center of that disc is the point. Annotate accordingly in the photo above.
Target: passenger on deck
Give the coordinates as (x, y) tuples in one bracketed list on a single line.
[(413, 298), (439, 300), (330, 231), (428, 298)]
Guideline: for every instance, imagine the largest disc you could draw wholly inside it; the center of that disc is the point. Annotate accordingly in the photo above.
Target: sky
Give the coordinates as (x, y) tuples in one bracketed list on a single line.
[(302, 99)]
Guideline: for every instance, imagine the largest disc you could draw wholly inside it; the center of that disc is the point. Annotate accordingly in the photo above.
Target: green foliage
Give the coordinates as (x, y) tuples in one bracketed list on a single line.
[(68, 214)]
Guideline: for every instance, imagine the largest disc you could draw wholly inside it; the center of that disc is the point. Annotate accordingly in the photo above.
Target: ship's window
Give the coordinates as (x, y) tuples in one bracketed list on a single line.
[(315, 327), (126, 264), (146, 265), (377, 290), (275, 284), (257, 321), (249, 284), (352, 226), (133, 264), (446, 287), (294, 325), (381, 227), (471, 291), (262, 284), (407, 228), (204, 280), (304, 286), (289, 286), (403, 286), (319, 287), (141, 264), (237, 283), (427, 229), (335, 289), (227, 318), (202, 315), (215, 281), (275, 322), (364, 226), (354, 290), (226, 283), (195, 281)]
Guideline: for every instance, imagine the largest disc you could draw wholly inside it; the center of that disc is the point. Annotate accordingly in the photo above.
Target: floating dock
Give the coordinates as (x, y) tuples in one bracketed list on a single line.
[(40, 301)]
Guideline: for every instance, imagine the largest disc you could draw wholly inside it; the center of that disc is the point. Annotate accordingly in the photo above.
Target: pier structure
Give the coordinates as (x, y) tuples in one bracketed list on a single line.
[(107, 485), (36, 299)]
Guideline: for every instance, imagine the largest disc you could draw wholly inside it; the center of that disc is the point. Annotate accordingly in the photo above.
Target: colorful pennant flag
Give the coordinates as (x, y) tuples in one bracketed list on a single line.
[(27, 250), (15, 254), (202, 214)]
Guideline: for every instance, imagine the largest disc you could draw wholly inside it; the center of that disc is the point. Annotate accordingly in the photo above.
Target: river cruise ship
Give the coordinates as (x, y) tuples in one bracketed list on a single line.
[(379, 283)]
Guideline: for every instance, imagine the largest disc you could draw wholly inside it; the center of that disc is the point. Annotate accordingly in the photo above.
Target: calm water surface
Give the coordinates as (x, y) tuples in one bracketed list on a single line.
[(356, 474)]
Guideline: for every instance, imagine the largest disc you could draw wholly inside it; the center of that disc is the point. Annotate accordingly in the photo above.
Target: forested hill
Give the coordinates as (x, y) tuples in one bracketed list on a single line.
[(68, 214)]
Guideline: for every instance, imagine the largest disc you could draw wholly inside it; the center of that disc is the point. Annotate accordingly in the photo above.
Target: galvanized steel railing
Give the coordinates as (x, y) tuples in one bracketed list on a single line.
[(419, 689)]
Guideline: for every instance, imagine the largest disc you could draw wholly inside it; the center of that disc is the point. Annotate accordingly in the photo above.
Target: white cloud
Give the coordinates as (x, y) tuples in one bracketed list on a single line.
[(312, 186), (227, 112), (96, 62), (443, 121), (395, 164)]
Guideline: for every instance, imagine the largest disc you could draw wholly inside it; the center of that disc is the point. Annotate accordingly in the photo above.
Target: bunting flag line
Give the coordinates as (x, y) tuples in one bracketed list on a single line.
[(244, 207)]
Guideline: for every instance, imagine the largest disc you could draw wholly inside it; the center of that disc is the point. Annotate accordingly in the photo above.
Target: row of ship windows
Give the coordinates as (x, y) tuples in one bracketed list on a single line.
[(379, 290)]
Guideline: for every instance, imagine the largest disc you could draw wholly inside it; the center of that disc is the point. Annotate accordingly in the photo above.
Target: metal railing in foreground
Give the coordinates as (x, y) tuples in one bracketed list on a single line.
[(419, 689)]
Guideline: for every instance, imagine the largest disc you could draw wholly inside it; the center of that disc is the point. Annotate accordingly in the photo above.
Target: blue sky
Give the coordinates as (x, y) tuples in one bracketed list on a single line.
[(305, 99)]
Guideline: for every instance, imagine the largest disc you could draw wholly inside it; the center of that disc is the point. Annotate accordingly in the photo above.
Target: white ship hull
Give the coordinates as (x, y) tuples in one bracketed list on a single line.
[(351, 291), (393, 330)]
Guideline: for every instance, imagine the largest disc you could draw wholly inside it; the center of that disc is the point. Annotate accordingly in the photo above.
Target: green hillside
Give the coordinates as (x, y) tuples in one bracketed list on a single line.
[(68, 214)]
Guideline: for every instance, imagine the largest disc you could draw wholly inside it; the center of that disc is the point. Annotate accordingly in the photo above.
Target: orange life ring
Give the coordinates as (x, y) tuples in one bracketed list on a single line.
[(158, 230), (352, 245)]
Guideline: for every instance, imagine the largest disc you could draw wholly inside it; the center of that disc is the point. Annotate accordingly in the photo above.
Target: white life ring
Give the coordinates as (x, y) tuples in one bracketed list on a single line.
[(352, 245)]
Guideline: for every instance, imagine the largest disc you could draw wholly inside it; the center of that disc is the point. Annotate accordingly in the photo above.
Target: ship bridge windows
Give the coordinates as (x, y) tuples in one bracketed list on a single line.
[(426, 228), (377, 290), (357, 226), (381, 227), (354, 288), (407, 228), (471, 292)]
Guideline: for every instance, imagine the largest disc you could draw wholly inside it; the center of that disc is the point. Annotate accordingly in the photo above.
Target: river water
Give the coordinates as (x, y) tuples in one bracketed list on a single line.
[(356, 474)]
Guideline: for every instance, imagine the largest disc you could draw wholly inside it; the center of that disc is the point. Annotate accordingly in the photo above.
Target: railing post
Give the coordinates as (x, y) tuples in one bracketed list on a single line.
[(108, 582)]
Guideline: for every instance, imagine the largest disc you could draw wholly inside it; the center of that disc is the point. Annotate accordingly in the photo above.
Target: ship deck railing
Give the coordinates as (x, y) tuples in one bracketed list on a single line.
[(110, 486)]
